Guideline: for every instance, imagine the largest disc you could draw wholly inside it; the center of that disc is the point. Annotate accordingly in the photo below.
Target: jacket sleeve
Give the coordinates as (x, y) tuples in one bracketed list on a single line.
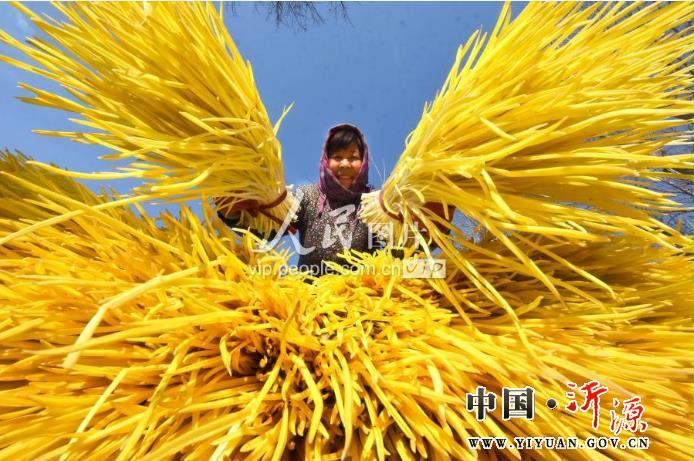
[(234, 221)]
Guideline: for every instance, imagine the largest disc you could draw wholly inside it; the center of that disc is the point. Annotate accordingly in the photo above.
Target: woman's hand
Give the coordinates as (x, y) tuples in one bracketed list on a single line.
[(223, 205)]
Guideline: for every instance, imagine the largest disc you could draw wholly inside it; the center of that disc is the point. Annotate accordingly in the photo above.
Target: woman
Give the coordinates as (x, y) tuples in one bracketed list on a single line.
[(327, 219)]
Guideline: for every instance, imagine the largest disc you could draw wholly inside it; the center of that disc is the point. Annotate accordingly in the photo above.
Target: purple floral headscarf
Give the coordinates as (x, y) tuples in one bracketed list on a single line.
[(330, 187)]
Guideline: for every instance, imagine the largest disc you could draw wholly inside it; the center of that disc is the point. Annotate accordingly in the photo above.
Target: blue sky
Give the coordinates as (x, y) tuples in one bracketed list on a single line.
[(375, 71)]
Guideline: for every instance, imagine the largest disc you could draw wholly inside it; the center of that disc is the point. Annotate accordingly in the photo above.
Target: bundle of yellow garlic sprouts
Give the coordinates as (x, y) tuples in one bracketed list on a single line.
[(550, 125), (197, 355), (163, 86)]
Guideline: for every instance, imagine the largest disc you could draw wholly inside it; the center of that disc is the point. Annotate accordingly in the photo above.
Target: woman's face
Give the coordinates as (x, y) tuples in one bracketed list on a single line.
[(345, 164)]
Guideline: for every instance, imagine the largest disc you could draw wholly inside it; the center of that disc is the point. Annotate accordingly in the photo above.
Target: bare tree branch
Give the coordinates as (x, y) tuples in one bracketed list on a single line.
[(300, 15)]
